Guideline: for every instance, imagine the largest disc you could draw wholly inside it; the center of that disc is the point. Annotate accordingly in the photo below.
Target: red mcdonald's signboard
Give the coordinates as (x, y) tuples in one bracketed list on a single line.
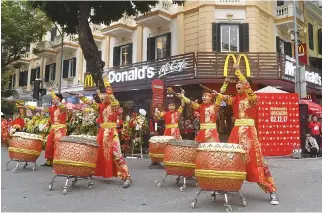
[(302, 53)]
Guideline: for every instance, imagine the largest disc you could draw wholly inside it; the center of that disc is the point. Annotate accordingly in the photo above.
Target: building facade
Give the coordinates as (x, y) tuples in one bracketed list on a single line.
[(186, 45)]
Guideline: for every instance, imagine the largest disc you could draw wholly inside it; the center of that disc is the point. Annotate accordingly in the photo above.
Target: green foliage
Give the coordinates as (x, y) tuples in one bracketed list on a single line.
[(67, 13), (20, 26)]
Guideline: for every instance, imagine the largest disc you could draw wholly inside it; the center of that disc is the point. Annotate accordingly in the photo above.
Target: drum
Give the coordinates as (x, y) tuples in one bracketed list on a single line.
[(220, 166), (157, 146), (76, 155), (180, 157), (25, 146)]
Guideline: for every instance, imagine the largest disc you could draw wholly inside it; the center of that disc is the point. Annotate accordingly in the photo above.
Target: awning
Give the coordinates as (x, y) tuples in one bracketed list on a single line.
[(313, 107)]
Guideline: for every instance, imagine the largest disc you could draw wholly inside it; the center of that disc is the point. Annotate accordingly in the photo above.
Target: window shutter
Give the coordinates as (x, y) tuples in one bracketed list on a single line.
[(288, 48), (311, 41), (130, 53), (216, 42), (278, 49), (38, 72), (20, 79), (74, 67), (65, 68), (280, 3), (150, 48), (53, 33), (32, 75), (54, 72), (320, 41), (168, 47), (10, 82), (116, 56), (47, 73), (14, 81), (25, 78), (244, 37)]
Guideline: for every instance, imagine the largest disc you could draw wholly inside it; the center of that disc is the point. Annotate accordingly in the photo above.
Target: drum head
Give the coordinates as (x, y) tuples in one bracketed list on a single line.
[(189, 143), (221, 147), (28, 136), (82, 139), (160, 139)]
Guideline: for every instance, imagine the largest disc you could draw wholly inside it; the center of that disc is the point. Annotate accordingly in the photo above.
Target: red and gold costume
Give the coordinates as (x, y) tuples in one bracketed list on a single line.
[(110, 162), (58, 117), (5, 125), (245, 134), (171, 120), (208, 115)]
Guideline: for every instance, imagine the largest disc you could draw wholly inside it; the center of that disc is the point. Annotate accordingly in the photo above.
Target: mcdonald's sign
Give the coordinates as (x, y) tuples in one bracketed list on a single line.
[(89, 83), (302, 53), (236, 61)]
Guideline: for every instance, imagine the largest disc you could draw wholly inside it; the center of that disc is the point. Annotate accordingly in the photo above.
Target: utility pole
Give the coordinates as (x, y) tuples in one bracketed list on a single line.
[(61, 58), (297, 75)]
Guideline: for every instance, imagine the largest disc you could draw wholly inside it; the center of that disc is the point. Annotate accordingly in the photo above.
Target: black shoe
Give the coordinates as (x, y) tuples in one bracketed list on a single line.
[(127, 183), (274, 199)]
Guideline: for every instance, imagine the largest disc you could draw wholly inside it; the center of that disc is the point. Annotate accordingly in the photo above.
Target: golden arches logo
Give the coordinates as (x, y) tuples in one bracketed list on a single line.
[(236, 61), (301, 50), (88, 82)]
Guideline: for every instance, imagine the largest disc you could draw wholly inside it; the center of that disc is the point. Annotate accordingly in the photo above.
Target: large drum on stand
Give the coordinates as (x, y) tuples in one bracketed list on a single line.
[(76, 155), (24, 147), (220, 166), (157, 146), (180, 157)]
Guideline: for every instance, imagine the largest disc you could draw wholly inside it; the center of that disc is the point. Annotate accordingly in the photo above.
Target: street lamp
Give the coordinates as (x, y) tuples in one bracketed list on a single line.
[(297, 75)]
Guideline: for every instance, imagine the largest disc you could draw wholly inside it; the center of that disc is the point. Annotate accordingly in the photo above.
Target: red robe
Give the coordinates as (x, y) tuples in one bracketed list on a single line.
[(244, 133), (208, 115), (58, 118), (5, 131), (171, 121)]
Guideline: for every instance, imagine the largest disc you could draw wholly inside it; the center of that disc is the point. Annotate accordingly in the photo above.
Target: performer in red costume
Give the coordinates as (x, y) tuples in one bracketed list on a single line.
[(58, 117), (110, 162), (245, 134), (208, 113), (171, 117), (4, 130), (18, 124)]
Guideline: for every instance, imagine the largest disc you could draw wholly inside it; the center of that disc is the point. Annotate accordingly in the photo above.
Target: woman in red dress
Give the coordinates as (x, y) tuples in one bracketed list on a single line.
[(110, 162), (58, 118), (171, 118), (208, 113), (244, 133)]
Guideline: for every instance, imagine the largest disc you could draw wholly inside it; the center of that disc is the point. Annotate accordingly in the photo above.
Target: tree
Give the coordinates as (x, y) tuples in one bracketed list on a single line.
[(75, 17), (21, 25)]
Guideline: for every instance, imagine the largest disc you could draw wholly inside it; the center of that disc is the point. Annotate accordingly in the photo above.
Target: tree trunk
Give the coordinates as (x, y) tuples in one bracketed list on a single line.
[(94, 63)]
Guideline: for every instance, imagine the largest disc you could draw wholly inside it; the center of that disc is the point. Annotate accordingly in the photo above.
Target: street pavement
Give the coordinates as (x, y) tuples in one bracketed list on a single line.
[(299, 183)]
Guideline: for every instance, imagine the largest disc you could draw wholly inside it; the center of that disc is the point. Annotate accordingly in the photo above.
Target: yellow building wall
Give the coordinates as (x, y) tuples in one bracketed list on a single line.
[(316, 26)]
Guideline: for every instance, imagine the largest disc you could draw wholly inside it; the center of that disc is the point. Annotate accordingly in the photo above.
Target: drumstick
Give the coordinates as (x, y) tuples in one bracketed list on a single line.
[(206, 88), (71, 93)]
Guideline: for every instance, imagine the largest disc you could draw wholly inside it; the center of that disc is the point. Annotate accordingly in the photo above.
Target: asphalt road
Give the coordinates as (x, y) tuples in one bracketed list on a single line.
[(299, 183)]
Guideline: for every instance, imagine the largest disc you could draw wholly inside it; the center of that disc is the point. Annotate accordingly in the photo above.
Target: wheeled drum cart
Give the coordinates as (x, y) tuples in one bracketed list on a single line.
[(179, 160), (75, 158), (157, 146), (24, 148), (220, 168)]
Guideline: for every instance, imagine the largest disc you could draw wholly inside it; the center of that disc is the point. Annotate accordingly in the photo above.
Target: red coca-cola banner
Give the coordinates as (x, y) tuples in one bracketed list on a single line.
[(278, 123)]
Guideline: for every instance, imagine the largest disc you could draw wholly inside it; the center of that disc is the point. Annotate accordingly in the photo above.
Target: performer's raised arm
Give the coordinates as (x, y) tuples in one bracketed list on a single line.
[(252, 97), (57, 99), (186, 100), (91, 103), (109, 92)]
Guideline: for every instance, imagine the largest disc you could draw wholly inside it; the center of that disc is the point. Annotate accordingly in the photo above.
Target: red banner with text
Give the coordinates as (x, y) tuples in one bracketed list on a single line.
[(278, 123)]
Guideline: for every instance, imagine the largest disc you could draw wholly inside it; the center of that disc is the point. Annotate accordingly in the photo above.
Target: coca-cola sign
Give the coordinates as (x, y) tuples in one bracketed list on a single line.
[(175, 66)]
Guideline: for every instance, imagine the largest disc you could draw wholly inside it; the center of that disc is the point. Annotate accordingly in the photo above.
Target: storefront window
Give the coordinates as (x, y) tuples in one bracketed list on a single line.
[(161, 47), (124, 55), (229, 38)]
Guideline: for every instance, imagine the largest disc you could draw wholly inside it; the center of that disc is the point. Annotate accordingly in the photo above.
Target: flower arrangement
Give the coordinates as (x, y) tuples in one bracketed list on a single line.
[(89, 126), (127, 131), (125, 148), (74, 121)]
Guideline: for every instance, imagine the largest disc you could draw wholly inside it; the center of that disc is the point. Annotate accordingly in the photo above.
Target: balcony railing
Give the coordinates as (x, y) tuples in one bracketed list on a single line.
[(26, 55), (96, 28), (44, 45), (288, 11), (69, 38)]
